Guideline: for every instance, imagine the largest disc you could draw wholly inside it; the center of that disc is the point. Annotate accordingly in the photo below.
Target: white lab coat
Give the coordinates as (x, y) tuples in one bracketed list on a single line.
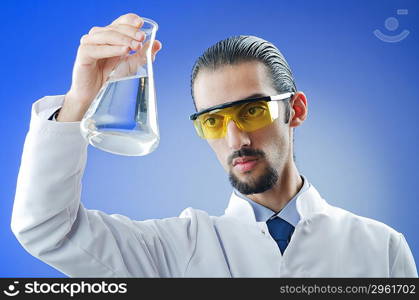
[(51, 223)]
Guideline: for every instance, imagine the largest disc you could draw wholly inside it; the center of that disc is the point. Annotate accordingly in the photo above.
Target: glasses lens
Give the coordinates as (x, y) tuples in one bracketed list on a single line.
[(212, 125), (254, 115), (248, 117)]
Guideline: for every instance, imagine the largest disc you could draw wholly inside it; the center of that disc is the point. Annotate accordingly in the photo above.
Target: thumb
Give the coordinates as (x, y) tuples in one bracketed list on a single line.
[(157, 45)]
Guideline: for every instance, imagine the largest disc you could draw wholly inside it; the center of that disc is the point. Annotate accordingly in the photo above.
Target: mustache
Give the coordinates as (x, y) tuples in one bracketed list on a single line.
[(246, 152)]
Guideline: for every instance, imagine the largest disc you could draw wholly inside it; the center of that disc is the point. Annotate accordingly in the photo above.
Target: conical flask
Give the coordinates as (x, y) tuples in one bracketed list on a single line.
[(122, 118)]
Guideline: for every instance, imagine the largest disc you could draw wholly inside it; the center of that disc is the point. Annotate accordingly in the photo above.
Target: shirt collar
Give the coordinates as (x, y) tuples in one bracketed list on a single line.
[(305, 203), (289, 213)]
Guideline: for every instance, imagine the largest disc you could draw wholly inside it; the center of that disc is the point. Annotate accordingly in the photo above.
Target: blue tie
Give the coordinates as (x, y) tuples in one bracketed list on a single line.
[(281, 231)]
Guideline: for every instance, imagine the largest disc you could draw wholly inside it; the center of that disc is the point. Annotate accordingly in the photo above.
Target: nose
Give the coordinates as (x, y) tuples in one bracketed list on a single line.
[(236, 138)]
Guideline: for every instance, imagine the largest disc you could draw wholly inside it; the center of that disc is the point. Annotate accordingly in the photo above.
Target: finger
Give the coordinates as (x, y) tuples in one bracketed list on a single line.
[(129, 19), (109, 37), (128, 30), (140, 57), (96, 29), (157, 45), (156, 48), (102, 51)]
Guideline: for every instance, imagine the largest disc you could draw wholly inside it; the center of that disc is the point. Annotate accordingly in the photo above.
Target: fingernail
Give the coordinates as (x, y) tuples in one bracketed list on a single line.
[(134, 44), (139, 35)]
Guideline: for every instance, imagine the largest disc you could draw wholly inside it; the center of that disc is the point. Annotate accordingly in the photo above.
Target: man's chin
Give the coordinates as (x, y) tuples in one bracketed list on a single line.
[(253, 182)]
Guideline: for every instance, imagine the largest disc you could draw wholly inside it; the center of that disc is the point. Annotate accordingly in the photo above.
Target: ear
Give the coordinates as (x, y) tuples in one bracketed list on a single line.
[(299, 109)]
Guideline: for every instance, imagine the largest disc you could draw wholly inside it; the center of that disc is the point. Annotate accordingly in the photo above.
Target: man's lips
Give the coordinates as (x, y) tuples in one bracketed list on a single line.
[(245, 163), (243, 159)]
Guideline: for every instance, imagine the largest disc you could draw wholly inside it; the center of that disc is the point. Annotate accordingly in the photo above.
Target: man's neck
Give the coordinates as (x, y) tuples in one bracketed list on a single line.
[(287, 186)]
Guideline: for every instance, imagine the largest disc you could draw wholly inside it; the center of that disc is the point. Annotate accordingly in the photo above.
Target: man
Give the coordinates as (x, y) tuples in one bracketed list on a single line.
[(276, 223)]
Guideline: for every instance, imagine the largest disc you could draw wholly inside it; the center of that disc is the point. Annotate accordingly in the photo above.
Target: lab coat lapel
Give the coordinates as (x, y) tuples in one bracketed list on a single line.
[(241, 209), (310, 203)]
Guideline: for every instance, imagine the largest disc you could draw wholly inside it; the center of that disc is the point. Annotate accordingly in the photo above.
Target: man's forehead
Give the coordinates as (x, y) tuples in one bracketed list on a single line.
[(231, 83)]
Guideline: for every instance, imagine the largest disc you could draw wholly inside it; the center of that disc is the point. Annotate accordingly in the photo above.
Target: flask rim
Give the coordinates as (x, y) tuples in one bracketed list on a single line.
[(152, 22)]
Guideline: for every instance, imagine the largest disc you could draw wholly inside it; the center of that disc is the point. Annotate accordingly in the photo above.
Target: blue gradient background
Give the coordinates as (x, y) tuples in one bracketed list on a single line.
[(359, 146)]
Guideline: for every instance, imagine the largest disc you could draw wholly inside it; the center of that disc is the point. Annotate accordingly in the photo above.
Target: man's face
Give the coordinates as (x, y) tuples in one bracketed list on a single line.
[(268, 147)]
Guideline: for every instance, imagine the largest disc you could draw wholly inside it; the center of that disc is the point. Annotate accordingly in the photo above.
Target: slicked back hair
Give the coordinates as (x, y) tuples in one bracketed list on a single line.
[(245, 48)]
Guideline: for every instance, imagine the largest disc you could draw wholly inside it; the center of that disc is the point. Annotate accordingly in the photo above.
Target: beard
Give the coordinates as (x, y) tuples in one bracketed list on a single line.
[(253, 185)]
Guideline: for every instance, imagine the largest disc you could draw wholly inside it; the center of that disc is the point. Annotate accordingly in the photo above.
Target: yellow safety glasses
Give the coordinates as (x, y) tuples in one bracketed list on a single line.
[(248, 115)]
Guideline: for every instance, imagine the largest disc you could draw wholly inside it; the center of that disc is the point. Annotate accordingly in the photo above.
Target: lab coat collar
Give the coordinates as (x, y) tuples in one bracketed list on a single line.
[(308, 203)]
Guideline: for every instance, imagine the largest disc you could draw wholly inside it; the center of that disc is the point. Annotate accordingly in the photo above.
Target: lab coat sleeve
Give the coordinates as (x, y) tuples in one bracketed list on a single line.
[(403, 263), (52, 224)]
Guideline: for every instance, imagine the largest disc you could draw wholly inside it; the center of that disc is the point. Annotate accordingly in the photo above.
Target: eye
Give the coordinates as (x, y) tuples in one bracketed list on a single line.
[(211, 121), (253, 111)]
